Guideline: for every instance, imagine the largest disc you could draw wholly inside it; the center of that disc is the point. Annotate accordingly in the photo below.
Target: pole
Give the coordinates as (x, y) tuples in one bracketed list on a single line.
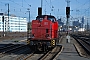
[(8, 17), (50, 7), (68, 14), (19, 24), (28, 33), (45, 9), (41, 6), (3, 24), (87, 25), (41, 3), (67, 23), (29, 20)]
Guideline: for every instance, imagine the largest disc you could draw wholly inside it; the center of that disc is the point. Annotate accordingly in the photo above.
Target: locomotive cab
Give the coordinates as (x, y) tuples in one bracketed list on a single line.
[(46, 17), (44, 31)]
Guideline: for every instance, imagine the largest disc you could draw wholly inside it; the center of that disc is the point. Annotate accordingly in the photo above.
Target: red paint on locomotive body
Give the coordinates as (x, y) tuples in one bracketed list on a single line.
[(45, 29), (55, 30)]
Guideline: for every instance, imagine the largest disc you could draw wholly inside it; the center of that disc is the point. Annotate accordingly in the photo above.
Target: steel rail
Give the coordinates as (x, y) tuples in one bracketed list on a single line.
[(50, 55), (85, 44)]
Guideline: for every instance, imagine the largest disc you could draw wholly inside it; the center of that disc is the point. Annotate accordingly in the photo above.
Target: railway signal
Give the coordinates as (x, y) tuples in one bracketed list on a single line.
[(67, 11), (39, 11)]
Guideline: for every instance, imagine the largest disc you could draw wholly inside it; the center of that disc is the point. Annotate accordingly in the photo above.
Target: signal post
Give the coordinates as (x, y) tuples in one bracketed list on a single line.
[(67, 23)]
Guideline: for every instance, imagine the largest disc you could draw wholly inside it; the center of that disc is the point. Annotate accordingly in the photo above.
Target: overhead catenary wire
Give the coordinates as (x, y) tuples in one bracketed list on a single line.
[(17, 4), (27, 3), (1, 8), (82, 6), (13, 8), (49, 5), (22, 6)]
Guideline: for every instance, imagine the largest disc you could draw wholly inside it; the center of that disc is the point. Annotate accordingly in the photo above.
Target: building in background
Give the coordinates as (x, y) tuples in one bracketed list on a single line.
[(82, 22), (61, 24), (76, 23), (15, 24)]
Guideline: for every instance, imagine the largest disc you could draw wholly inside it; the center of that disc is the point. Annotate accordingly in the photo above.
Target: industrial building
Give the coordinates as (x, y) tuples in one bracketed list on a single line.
[(13, 24)]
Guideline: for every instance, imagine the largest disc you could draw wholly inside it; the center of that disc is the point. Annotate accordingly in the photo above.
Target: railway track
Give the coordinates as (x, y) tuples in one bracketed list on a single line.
[(50, 55), (6, 49), (10, 49), (3, 49), (84, 42), (14, 49), (23, 52), (25, 57), (29, 56)]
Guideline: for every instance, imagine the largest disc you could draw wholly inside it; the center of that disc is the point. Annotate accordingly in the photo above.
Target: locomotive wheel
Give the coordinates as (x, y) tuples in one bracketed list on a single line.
[(44, 47), (35, 47)]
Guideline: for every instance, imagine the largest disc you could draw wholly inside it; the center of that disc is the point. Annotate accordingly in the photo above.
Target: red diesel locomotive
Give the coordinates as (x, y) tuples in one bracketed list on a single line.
[(44, 32)]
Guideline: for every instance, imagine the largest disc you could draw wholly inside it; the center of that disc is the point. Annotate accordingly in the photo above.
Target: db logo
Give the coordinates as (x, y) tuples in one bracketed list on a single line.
[(45, 23)]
